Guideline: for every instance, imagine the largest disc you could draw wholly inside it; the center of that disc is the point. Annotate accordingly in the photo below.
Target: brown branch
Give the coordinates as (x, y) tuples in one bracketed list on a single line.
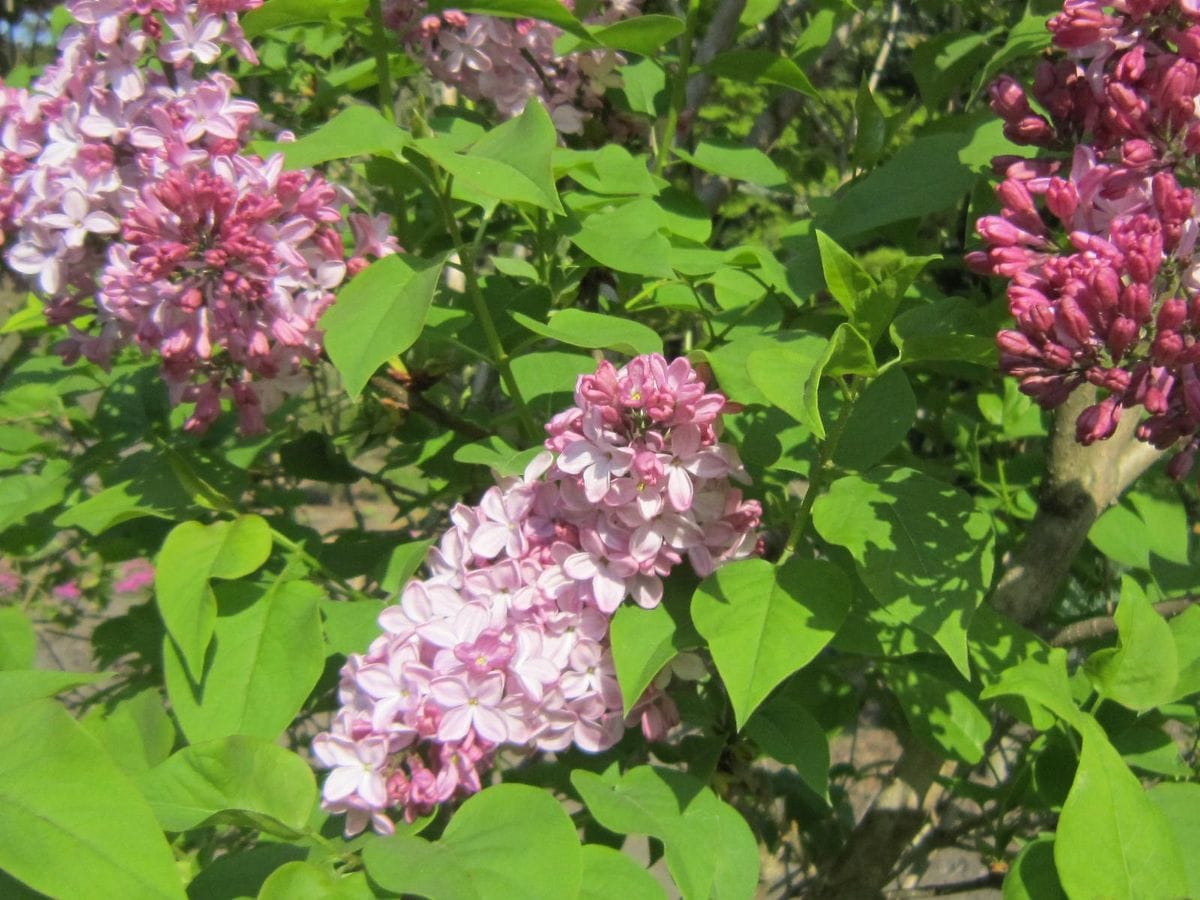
[(1102, 626), (885, 50), (1081, 482)]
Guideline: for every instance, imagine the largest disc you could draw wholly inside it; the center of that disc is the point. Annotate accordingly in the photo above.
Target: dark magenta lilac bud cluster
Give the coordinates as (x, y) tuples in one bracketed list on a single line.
[(506, 642), (125, 201), (1097, 236)]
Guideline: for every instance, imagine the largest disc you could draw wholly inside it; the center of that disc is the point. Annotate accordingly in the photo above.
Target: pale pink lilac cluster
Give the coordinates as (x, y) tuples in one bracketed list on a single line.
[(1098, 237), (122, 195), (506, 641), (507, 61)]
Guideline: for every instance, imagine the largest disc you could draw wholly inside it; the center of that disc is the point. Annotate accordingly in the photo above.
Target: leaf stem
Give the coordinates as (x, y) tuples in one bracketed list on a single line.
[(500, 357), (313, 563), (818, 478), (383, 72), (678, 87)]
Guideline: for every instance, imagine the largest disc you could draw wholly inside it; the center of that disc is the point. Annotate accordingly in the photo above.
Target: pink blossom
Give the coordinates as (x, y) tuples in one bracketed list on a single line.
[(506, 641)]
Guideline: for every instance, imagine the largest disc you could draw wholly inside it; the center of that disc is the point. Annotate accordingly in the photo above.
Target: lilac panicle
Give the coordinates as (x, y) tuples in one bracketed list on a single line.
[(1097, 238), (123, 195), (506, 641)]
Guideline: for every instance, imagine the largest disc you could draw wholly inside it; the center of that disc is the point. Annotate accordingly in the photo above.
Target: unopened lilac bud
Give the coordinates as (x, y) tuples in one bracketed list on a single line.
[(1008, 98), (1116, 380), (1171, 314), (1138, 153), (1098, 422), (1062, 198), (1106, 284), (1017, 344), (1135, 302), (1122, 334)]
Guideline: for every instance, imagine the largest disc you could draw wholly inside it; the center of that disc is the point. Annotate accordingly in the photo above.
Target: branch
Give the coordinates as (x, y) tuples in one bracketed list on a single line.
[(885, 50), (719, 37), (1081, 482), (1100, 626)]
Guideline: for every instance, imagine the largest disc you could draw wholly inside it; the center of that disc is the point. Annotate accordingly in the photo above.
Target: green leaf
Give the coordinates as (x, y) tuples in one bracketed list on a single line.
[(350, 625), (403, 564), (626, 240), (1028, 38), (298, 880), (266, 656), (848, 353), (18, 641), (23, 495), (33, 314), (761, 67), (870, 133), (920, 546), (940, 711), (609, 873), (234, 780), (509, 840), (1142, 671), (551, 372), (17, 687), (286, 13), (138, 734), (192, 554), (644, 84), (947, 330), (378, 314), (763, 623), (645, 640), (710, 851), (1140, 525), (642, 34), (1180, 804), (783, 728), (483, 180), (580, 328), (610, 170), (1043, 682), (944, 63), (880, 419), (1032, 875), (355, 131), (1167, 524), (547, 10), (527, 144), (1185, 630), (1113, 840), (71, 824), (732, 159), (780, 373)]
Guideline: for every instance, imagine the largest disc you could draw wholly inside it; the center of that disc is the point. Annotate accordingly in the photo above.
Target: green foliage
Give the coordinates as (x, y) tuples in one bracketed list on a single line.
[(762, 622), (505, 841), (709, 849)]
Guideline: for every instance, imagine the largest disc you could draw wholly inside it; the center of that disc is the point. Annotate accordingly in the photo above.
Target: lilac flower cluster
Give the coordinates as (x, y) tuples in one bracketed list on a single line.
[(506, 640), (1106, 289), (120, 186), (506, 61)]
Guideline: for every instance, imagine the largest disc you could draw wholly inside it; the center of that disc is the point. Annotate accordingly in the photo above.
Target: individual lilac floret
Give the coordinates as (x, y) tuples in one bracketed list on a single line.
[(506, 641), (123, 199)]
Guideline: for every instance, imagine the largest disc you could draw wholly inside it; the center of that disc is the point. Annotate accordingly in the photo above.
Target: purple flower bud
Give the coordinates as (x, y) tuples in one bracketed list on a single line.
[(1098, 422)]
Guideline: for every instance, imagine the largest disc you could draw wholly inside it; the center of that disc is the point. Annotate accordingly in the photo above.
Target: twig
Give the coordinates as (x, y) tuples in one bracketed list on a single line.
[(1100, 626), (885, 49)]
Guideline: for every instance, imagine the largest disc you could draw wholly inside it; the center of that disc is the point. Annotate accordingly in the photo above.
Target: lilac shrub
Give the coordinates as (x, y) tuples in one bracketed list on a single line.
[(123, 182), (506, 641)]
